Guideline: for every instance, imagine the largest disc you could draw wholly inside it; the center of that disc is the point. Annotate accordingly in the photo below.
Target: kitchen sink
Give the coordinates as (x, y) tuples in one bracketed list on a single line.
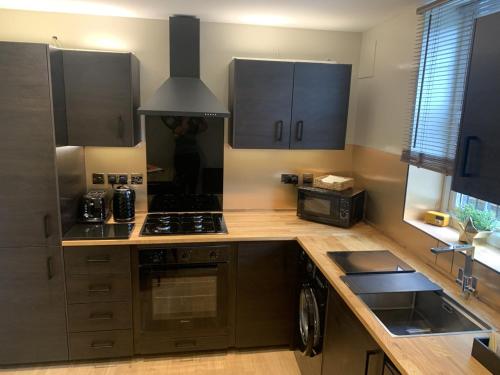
[(422, 313)]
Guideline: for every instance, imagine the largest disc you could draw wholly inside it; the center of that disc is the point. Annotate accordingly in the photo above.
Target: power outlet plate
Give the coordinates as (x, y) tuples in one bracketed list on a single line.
[(136, 179), (98, 178), (123, 179), (112, 179)]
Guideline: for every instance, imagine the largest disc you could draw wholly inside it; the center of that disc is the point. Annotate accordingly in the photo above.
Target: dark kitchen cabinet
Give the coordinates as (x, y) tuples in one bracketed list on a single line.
[(260, 102), (102, 97), (266, 281), (33, 314), (28, 192), (348, 347), (279, 104), (477, 169), (320, 104)]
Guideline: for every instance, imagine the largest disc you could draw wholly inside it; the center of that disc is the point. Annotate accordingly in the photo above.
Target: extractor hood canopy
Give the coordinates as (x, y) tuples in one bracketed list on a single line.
[(184, 93)]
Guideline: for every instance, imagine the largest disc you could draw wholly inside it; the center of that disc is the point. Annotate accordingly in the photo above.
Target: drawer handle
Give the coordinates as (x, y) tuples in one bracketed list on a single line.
[(104, 259), (101, 316), (102, 344), (185, 344), (299, 130), (99, 289)]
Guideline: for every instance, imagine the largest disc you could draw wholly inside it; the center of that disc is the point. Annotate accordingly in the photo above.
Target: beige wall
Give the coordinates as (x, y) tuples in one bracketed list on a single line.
[(252, 177)]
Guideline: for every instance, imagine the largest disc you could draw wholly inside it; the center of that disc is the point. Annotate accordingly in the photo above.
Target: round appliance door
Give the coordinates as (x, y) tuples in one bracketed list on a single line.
[(309, 322)]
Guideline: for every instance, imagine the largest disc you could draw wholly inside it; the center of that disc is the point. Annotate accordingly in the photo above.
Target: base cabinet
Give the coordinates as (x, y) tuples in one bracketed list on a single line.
[(266, 280), (32, 317), (99, 295), (348, 347)]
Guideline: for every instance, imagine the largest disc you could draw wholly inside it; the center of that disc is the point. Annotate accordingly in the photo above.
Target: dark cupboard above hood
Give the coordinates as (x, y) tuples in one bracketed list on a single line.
[(184, 93)]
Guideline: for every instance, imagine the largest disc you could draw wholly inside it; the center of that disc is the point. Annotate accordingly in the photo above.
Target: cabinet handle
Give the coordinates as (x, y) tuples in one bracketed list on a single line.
[(299, 130), (465, 165), (279, 130), (103, 259), (121, 127), (101, 316), (99, 289), (46, 225), (102, 344), (369, 354), (50, 268)]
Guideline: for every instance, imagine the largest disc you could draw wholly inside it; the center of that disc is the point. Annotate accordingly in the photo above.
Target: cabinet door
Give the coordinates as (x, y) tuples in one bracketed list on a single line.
[(33, 317), (29, 213), (266, 281), (99, 98), (477, 169), (261, 96), (320, 105), (348, 347)]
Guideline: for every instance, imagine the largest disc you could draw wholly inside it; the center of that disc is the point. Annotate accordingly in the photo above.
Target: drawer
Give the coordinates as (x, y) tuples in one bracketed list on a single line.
[(87, 260), (99, 316), (98, 288), (158, 345), (105, 344)]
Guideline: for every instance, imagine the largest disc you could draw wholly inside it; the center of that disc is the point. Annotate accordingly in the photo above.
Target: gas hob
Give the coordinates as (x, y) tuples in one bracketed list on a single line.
[(158, 224)]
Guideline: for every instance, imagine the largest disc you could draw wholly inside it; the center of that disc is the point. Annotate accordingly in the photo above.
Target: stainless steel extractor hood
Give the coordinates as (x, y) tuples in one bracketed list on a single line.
[(184, 93)]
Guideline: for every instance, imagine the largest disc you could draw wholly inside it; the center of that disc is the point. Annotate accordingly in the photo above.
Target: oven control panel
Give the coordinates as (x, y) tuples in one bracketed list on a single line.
[(184, 255)]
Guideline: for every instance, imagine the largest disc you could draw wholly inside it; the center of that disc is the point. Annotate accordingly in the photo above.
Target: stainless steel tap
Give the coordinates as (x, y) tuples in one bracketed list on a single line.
[(467, 282)]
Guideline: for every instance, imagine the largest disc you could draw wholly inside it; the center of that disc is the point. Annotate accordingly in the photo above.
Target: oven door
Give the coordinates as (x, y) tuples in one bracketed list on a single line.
[(184, 300), (318, 207)]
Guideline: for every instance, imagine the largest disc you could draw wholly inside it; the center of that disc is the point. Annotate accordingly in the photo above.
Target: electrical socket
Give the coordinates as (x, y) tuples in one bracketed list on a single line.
[(98, 178), (136, 179), (123, 179), (289, 179), (112, 179)]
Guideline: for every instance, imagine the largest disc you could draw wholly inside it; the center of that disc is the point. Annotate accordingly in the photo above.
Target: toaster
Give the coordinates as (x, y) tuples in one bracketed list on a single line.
[(95, 206)]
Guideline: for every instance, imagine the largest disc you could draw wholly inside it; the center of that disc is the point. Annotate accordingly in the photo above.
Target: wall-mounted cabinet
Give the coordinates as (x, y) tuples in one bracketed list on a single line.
[(477, 169), (288, 105), (102, 97)]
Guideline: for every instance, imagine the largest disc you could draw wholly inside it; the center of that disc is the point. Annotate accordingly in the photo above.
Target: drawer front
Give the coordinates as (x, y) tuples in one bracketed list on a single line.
[(99, 316), (158, 345), (98, 288), (106, 344), (97, 260)]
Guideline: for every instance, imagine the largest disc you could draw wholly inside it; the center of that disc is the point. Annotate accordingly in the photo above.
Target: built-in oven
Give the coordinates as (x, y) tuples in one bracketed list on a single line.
[(184, 298)]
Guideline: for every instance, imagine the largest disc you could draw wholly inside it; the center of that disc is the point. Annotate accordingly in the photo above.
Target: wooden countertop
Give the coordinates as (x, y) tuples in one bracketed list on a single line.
[(444, 354)]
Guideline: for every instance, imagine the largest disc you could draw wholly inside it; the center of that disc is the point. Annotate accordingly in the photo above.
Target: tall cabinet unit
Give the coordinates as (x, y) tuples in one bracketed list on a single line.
[(32, 318)]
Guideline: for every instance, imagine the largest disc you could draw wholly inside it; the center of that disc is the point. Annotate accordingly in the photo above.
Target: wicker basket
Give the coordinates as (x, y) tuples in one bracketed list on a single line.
[(339, 183)]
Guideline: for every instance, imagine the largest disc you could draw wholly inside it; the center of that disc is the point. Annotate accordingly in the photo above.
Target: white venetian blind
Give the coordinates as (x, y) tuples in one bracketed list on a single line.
[(444, 40)]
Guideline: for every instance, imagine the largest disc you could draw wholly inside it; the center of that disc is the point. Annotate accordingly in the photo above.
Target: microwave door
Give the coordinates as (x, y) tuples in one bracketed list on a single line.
[(317, 206)]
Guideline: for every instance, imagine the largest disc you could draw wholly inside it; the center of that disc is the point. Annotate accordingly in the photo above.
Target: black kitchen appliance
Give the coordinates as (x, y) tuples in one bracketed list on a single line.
[(124, 204), (312, 313), (158, 224), (184, 298), (339, 208), (95, 206)]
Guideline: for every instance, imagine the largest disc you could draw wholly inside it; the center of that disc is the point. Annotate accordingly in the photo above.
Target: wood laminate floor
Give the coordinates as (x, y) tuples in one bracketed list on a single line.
[(268, 362)]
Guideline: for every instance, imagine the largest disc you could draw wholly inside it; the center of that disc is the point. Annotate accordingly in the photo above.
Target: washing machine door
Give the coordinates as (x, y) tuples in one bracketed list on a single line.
[(309, 322)]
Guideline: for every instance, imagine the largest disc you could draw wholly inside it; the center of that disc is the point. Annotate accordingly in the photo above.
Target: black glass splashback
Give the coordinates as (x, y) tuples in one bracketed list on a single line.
[(185, 158)]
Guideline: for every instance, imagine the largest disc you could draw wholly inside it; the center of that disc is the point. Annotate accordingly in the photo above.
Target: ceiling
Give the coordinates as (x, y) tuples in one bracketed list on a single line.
[(345, 15)]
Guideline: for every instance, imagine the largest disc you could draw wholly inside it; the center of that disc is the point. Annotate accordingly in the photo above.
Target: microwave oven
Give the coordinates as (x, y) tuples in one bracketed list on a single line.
[(339, 208)]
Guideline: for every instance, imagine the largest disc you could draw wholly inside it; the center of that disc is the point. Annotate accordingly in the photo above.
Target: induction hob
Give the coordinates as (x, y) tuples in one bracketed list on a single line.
[(362, 262)]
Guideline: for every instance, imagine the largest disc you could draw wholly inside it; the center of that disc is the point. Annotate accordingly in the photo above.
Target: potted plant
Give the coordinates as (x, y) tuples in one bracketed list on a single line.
[(474, 223)]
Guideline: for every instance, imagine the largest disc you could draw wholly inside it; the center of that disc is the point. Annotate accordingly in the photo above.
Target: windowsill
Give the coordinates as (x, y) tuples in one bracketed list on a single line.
[(485, 254)]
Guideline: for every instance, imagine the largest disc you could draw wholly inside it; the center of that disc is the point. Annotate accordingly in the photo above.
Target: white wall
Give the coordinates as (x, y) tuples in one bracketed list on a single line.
[(383, 106), (251, 176)]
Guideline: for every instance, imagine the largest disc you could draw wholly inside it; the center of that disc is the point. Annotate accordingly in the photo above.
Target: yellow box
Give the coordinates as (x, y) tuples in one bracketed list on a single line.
[(437, 218)]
